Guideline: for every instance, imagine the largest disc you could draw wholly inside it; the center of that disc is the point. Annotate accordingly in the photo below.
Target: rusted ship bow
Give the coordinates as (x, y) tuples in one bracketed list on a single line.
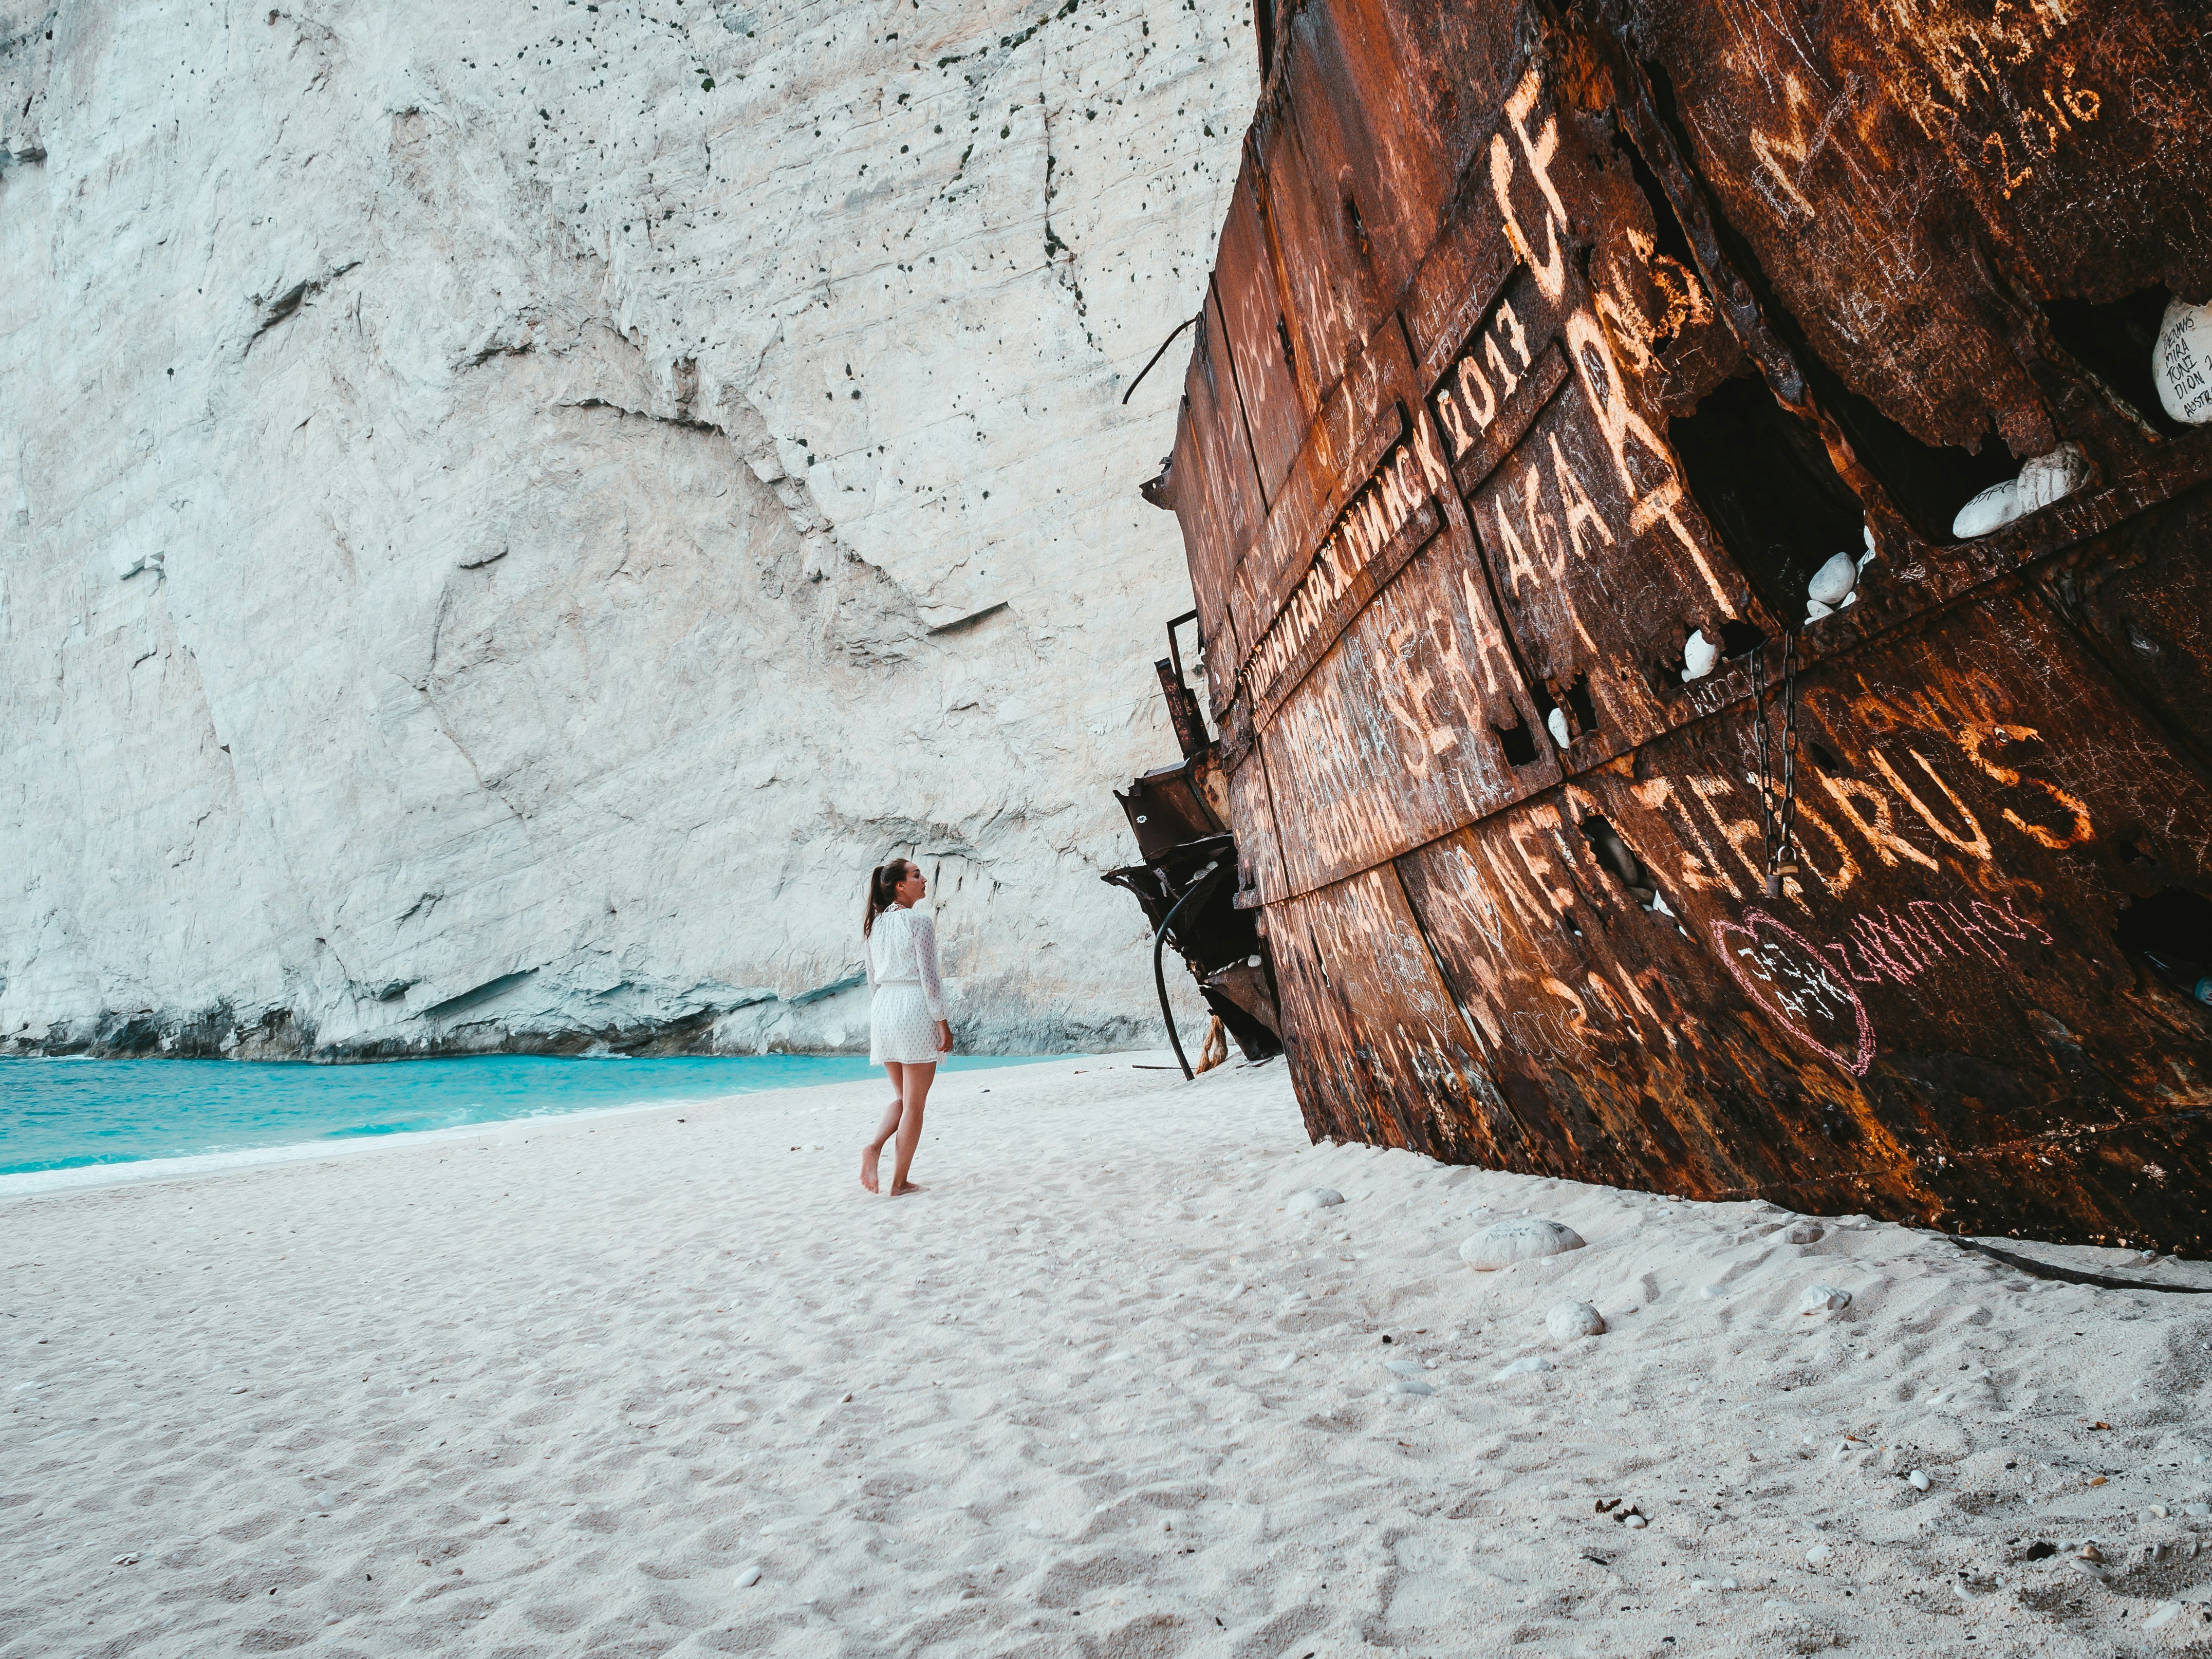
[(1704, 594)]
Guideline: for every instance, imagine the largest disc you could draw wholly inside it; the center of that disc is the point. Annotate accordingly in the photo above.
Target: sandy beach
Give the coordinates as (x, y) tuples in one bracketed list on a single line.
[(668, 1383)]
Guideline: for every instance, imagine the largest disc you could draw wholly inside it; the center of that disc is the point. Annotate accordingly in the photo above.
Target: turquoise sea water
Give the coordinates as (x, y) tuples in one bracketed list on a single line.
[(65, 1113)]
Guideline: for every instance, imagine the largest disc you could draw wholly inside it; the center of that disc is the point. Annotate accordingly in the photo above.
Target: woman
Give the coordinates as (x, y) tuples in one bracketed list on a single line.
[(907, 1029)]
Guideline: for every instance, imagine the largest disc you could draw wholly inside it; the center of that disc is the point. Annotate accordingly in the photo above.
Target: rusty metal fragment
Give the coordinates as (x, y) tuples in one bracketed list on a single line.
[(1190, 880), (1557, 343)]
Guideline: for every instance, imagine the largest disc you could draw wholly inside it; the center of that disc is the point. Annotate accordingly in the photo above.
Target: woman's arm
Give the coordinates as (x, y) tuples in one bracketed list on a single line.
[(925, 951)]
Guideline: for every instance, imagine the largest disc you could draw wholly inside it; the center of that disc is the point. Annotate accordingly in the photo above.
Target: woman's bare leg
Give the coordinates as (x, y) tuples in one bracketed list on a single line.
[(884, 1130), (914, 1089)]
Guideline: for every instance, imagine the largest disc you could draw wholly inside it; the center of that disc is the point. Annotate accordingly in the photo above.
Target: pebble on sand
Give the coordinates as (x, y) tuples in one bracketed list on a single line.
[(1823, 1299), (1312, 1199), (1572, 1319), (1919, 1479), (1535, 1362), (1523, 1239), (748, 1577)]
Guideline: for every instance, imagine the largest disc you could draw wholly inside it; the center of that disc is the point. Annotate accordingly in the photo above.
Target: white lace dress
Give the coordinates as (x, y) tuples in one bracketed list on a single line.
[(909, 997)]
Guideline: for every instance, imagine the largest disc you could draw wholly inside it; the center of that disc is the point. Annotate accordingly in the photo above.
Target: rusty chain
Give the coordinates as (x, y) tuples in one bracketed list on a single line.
[(1777, 821)]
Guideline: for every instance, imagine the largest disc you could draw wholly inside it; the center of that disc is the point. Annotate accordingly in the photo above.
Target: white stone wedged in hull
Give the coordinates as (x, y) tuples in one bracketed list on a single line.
[(1833, 581), (1699, 656), (532, 590), (2181, 363), (2044, 479)]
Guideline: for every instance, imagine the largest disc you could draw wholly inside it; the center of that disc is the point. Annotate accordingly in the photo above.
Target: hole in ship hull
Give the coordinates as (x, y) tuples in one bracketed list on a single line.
[(1580, 703), (1763, 479), (1614, 858), (2171, 934), (1928, 483), (1519, 745), (2116, 342)]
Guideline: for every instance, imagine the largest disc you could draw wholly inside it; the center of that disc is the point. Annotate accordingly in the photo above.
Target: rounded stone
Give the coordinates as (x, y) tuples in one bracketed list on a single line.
[(1833, 579), (1528, 1367), (1823, 1299), (1524, 1240), (1994, 509), (1572, 1319), (2045, 479), (1312, 1199), (1699, 656), (2181, 362)]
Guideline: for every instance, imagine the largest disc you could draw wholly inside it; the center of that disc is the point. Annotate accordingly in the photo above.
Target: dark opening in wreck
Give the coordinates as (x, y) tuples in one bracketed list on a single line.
[(1193, 892), (1559, 363)]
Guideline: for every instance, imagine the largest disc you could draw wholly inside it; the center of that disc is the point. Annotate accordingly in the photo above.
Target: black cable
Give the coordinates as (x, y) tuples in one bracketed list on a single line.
[(1207, 878), (2071, 1275), (1161, 353)]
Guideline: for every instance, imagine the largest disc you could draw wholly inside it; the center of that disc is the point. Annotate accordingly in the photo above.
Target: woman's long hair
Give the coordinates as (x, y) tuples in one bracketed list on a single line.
[(883, 892)]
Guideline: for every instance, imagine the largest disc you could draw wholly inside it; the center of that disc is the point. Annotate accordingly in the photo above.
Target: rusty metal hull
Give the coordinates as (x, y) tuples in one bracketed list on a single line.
[(1541, 337)]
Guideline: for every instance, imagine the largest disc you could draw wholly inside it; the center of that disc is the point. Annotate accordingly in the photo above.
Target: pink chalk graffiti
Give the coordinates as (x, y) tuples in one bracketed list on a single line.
[(1793, 994), (1906, 943), (1898, 945)]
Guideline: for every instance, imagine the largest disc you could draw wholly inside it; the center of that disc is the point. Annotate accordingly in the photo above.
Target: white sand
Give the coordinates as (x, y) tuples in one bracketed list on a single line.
[(553, 1390)]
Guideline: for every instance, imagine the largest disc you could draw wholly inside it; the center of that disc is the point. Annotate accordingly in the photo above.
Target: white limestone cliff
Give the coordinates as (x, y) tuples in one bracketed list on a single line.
[(506, 511)]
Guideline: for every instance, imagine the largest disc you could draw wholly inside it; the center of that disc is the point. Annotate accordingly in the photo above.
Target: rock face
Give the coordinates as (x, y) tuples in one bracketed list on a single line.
[(507, 511)]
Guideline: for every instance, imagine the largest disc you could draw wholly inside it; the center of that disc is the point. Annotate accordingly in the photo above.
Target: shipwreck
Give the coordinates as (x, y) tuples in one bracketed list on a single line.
[(1699, 525)]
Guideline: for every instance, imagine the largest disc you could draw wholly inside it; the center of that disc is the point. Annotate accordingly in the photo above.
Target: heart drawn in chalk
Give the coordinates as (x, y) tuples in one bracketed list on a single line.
[(1786, 974)]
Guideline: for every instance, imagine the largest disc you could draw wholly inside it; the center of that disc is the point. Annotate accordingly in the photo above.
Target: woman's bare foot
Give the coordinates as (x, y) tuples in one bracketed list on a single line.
[(874, 1149), (903, 1189)]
